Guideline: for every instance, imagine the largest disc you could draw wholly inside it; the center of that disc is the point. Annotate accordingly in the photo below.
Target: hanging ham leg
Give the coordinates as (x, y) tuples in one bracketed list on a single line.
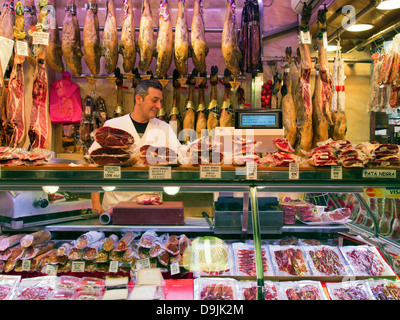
[(91, 38), (288, 107), (110, 38), (198, 38), (165, 42), (201, 112), (174, 116), (322, 98), (15, 129), (230, 46), (39, 119), (127, 46), (226, 118), (181, 44), (213, 111), (146, 41), (303, 95), (71, 39), (190, 112), (7, 20)]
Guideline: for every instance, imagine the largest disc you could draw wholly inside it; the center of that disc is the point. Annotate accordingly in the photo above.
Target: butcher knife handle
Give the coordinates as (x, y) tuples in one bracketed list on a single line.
[(207, 217)]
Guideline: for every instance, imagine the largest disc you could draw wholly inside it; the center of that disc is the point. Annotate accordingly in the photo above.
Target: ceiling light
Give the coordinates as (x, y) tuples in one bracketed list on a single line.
[(331, 48), (50, 189), (359, 27), (108, 188), (171, 190), (389, 5)]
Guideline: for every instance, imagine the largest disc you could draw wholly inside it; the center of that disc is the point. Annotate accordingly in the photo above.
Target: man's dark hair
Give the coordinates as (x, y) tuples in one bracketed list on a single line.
[(142, 89)]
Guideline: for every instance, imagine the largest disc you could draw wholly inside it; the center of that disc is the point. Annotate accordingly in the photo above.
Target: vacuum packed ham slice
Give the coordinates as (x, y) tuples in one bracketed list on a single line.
[(113, 137)]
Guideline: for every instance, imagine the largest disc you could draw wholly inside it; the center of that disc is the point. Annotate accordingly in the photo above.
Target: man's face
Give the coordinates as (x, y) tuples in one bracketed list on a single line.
[(151, 104)]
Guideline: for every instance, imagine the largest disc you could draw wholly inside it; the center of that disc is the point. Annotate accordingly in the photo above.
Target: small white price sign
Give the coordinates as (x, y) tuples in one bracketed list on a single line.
[(78, 266), (210, 172), (114, 265), (325, 40), (26, 265), (336, 173), (51, 270), (294, 173), (175, 268), (22, 48), (41, 38), (112, 172), (305, 37), (143, 264), (251, 171), (159, 173)]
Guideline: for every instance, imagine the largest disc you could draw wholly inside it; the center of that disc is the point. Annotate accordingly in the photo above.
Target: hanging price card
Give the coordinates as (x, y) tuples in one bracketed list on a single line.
[(159, 173), (210, 172), (41, 38), (22, 48), (112, 172), (305, 37)]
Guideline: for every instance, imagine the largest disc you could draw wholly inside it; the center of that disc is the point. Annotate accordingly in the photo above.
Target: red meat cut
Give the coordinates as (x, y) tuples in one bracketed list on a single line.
[(113, 138)]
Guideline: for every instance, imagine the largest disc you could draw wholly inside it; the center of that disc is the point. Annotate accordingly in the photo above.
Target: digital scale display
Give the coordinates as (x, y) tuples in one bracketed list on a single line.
[(258, 119)]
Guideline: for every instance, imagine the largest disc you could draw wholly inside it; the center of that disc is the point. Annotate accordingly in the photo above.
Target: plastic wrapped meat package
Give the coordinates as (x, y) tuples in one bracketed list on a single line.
[(289, 261), (326, 261), (349, 290), (215, 289), (8, 284), (90, 288), (297, 208), (302, 290), (247, 290), (245, 262), (384, 289), (38, 288), (66, 288), (366, 261)]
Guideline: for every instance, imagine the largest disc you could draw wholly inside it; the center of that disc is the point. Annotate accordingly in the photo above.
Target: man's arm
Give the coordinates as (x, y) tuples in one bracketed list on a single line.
[(96, 204)]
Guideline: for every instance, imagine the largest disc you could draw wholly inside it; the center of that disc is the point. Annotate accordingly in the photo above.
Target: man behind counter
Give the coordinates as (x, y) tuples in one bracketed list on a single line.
[(145, 128)]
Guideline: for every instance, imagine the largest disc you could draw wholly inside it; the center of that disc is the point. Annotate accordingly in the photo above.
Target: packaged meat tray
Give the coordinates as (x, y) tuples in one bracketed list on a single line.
[(289, 261), (245, 260), (38, 288), (247, 290), (349, 290), (384, 289), (302, 290), (8, 284), (297, 208), (326, 261), (215, 289), (366, 261)]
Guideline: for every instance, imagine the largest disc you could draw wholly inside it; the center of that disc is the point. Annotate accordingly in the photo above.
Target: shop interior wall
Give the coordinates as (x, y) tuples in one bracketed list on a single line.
[(275, 16)]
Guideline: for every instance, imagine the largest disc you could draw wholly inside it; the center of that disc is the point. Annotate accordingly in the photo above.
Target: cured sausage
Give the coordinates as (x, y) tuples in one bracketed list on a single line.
[(35, 238), (53, 50), (110, 38), (88, 238), (127, 45), (110, 243), (226, 118), (91, 38), (182, 43), (213, 111), (165, 41), (146, 41), (198, 38), (230, 46), (71, 39), (126, 239), (201, 112)]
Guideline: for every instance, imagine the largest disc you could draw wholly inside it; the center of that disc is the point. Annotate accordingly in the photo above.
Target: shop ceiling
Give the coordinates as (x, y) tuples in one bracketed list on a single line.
[(386, 23)]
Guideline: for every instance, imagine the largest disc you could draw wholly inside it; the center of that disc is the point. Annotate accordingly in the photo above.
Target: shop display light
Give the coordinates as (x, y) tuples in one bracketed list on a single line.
[(50, 189), (171, 190), (109, 188), (389, 5), (359, 27)]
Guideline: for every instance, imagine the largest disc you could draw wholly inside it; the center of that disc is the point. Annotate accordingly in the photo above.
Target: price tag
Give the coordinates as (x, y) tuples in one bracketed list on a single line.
[(22, 48), (51, 270), (325, 40), (41, 38), (113, 266), (159, 173), (251, 171), (336, 173), (26, 265), (175, 268), (143, 264), (379, 173), (294, 173), (78, 266), (112, 172), (305, 37), (210, 172)]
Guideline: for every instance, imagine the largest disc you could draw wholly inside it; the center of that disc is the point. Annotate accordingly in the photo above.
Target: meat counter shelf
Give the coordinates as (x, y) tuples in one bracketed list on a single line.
[(85, 177)]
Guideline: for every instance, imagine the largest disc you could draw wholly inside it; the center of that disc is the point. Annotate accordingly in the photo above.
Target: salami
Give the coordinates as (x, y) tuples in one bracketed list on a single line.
[(110, 243), (10, 241), (36, 250), (35, 238), (88, 238), (125, 241)]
